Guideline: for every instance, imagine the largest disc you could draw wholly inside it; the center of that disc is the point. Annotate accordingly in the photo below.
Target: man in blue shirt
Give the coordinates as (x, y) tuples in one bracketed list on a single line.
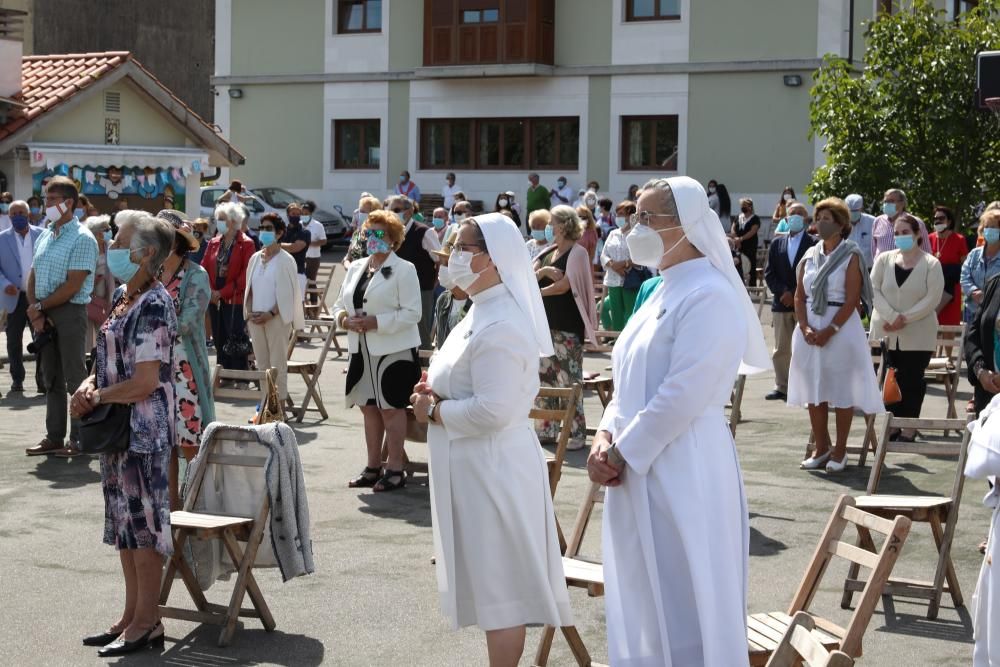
[(59, 288)]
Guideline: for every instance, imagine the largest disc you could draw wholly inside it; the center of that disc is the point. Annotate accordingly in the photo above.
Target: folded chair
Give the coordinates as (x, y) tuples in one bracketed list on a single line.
[(800, 646), (766, 631), (565, 400), (230, 530), (736, 403), (310, 370), (946, 364), (939, 511)]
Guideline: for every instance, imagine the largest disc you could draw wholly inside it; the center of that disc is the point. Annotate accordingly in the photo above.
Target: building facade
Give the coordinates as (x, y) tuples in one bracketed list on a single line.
[(334, 97)]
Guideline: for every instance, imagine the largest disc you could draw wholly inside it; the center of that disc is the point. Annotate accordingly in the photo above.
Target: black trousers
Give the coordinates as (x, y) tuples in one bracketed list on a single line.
[(17, 321), (227, 322), (910, 366)]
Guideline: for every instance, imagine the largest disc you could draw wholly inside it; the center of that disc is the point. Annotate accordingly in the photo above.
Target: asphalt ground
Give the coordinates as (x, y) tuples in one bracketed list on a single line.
[(373, 598)]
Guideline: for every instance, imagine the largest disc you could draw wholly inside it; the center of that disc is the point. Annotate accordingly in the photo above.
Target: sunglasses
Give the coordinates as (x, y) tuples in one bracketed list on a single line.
[(400, 211), (375, 234)]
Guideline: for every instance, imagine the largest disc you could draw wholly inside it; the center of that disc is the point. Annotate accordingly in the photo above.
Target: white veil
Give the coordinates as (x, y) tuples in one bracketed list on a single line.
[(704, 231), (510, 255)]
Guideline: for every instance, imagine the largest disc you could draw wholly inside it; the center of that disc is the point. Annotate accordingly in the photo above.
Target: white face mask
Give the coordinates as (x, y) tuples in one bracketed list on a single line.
[(645, 246), (502, 203), (460, 269), (459, 218), (444, 277), (786, 197), (53, 213), (940, 227)]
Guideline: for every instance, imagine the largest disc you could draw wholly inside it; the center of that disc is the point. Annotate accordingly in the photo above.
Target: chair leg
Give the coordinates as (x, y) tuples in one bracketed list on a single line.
[(945, 570), (252, 589), (869, 441), (544, 646), (576, 645)]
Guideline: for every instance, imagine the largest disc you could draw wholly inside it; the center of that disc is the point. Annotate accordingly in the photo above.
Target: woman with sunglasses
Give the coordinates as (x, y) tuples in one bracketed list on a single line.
[(379, 307), (272, 304)]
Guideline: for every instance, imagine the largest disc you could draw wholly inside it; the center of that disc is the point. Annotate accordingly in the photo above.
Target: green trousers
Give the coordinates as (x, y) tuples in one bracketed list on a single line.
[(617, 308)]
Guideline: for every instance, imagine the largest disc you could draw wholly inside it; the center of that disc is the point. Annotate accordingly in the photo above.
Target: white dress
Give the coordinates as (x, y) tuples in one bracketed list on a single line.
[(676, 532), (841, 372), (498, 558), (984, 463)]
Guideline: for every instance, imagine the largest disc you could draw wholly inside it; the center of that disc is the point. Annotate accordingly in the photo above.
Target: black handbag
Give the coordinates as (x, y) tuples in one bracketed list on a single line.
[(238, 344), (107, 429), (636, 276)]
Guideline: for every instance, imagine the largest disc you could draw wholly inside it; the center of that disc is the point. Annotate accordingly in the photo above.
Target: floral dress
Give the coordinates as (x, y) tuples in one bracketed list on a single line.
[(190, 421)]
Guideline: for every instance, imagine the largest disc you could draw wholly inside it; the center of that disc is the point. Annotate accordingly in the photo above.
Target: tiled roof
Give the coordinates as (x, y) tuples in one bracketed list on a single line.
[(49, 81)]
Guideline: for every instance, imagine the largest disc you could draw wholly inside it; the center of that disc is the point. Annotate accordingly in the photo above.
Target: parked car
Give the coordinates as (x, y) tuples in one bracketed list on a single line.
[(272, 199)]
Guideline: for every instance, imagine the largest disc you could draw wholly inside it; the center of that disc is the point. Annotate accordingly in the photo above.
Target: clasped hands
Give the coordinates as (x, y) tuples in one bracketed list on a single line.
[(550, 272), (84, 399), (599, 469), (361, 323), (896, 324), (817, 338), (421, 399)]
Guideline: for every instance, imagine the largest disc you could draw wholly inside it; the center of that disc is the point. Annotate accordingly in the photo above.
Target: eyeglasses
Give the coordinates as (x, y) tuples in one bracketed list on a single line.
[(399, 211), (642, 217), (464, 247), (375, 234)]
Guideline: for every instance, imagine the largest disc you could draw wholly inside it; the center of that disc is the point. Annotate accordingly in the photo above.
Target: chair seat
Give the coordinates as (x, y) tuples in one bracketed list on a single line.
[(582, 572), (901, 504), (765, 631), (206, 522), (299, 366)]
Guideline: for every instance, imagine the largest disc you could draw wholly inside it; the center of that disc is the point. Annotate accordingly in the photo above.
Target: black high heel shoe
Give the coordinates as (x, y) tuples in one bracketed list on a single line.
[(123, 647), (101, 638)]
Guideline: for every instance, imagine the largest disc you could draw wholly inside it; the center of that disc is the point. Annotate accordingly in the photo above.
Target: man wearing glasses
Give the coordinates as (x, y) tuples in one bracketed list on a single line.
[(59, 288), (418, 248)]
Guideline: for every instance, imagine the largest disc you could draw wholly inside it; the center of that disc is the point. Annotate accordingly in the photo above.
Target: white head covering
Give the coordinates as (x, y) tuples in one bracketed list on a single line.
[(510, 255), (704, 231)]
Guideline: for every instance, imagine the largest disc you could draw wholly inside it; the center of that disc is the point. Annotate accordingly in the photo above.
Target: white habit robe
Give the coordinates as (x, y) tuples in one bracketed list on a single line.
[(498, 558), (676, 532), (984, 463)]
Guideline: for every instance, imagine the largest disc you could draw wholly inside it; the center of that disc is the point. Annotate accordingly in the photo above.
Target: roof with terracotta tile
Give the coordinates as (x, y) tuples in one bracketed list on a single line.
[(49, 81)]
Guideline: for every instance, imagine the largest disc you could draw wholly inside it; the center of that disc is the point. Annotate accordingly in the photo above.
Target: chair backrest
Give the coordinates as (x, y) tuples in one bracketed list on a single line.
[(800, 644), (758, 295), (321, 330), (594, 495), (219, 392), (879, 562), (605, 340), (209, 450), (568, 398), (938, 446)]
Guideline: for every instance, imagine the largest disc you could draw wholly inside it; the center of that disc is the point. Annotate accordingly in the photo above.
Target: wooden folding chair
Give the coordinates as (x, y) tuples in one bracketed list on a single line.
[(320, 289), (230, 530), (736, 403), (766, 631), (940, 512), (800, 645), (946, 364), (225, 374), (310, 371), (565, 400), (580, 573), (759, 297), (605, 341)]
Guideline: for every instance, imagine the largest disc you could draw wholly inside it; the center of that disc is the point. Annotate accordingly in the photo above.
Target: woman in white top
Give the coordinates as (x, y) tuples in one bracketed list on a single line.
[(618, 305), (272, 305), (498, 560), (831, 363)]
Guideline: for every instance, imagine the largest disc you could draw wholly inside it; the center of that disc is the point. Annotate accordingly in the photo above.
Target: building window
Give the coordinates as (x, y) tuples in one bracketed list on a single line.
[(355, 16), (963, 6), (480, 16), (356, 144), (652, 10), (649, 143), (488, 32), (499, 143)]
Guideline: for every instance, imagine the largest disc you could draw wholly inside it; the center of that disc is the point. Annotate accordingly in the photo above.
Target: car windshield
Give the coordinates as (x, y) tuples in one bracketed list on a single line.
[(277, 197)]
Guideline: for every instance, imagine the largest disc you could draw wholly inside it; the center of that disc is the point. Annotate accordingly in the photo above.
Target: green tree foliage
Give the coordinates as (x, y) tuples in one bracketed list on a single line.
[(909, 119)]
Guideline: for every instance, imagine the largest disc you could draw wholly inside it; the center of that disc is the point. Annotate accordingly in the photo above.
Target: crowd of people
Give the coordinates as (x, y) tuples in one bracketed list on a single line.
[(124, 309)]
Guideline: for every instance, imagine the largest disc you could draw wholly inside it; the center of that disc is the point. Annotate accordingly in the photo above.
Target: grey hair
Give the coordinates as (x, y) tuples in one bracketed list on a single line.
[(98, 223), (148, 232), (899, 193), (20, 202), (478, 239), (399, 199), (569, 220), (662, 185), (232, 211)]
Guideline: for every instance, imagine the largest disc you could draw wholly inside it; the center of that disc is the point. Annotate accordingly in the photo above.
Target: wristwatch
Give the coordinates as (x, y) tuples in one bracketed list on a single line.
[(37, 306), (835, 327), (615, 457), (430, 412)]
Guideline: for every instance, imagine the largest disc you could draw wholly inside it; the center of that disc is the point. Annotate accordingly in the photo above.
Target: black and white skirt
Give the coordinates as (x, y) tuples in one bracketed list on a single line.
[(385, 381)]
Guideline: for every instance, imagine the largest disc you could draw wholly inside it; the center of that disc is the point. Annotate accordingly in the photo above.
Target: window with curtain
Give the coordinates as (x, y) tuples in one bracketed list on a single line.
[(356, 143), (354, 16), (649, 143), (652, 10), (499, 143)]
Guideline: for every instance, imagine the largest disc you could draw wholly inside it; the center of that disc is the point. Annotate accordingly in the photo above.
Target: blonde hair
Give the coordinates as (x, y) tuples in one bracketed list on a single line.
[(373, 203), (566, 218), (586, 217), (542, 215)]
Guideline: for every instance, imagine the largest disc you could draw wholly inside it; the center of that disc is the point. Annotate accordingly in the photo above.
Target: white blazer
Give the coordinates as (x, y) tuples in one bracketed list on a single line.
[(287, 287), (393, 300), (916, 300)]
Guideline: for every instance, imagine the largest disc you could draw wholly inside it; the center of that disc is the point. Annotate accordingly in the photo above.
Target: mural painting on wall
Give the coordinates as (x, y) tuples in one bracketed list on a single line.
[(144, 189)]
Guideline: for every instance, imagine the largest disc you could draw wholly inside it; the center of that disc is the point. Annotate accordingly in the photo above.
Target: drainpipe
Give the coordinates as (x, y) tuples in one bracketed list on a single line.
[(850, 33), (213, 176)]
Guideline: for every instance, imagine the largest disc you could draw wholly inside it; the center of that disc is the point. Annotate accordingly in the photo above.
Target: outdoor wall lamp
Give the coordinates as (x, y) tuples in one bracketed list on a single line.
[(237, 93), (791, 80)]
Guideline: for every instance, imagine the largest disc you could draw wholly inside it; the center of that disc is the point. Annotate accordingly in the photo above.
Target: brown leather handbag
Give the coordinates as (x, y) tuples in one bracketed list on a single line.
[(890, 387)]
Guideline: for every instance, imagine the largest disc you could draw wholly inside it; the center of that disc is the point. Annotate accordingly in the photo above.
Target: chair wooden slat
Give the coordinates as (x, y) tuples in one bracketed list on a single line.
[(854, 554)]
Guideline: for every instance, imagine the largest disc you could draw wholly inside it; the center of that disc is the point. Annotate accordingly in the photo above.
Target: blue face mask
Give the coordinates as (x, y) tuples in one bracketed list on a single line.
[(107, 237), (991, 234), (19, 222), (905, 242), (550, 236), (538, 234), (402, 179), (121, 265), (4, 207), (267, 237), (78, 213), (303, 220), (438, 223), (889, 208), (621, 221), (377, 246), (35, 210), (795, 224)]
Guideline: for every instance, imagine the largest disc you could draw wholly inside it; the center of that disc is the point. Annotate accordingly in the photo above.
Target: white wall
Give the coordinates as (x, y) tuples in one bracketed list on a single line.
[(354, 100), (640, 42), (496, 98), (358, 52)]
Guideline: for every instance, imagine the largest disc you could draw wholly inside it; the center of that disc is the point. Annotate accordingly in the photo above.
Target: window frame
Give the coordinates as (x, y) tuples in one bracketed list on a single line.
[(529, 160), (623, 157), (630, 16), (337, 163), (365, 30)]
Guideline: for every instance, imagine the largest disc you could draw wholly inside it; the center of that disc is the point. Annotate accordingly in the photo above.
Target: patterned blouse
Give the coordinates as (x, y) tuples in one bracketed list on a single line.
[(145, 332)]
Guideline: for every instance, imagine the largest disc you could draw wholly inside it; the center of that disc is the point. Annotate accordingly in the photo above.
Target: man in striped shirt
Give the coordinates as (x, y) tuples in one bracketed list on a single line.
[(893, 206)]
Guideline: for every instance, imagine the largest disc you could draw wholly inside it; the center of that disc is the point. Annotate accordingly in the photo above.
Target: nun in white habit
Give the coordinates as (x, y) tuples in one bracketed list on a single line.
[(498, 559), (983, 462), (676, 528)]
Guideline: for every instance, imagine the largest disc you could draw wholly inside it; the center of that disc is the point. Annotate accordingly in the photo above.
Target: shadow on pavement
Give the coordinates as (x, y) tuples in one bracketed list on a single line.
[(252, 646), (761, 544), (66, 473), (918, 625), (411, 504)]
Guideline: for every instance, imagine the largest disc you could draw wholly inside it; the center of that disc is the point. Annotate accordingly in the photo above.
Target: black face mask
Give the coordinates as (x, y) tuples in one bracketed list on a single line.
[(293, 220)]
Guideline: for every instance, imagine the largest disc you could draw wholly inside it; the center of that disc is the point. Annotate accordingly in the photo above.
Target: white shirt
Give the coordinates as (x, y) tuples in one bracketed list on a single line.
[(316, 231), (793, 247), (615, 250), (431, 241), (4, 222), (861, 233), (264, 284), (566, 192), (25, 248), (448, 192)]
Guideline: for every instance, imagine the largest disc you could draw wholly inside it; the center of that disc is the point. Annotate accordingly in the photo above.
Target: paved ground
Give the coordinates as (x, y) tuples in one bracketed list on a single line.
[(373, 598)]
